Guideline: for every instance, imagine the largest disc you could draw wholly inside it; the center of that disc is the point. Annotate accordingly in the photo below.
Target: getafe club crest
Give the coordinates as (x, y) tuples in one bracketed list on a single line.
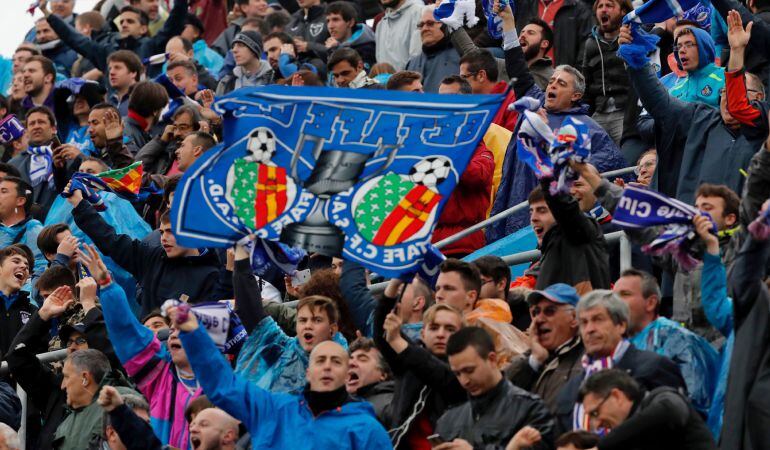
[(316, 29), (362, 175), (259, 190)]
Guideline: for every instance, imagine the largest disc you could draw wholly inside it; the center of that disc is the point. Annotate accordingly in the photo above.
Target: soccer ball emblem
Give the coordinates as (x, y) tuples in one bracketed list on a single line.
[(261, 145), (430, 171)]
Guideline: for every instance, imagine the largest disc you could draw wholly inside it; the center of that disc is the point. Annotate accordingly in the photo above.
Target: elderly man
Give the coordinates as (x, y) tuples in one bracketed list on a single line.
[(438, 59), (604, 319), (555, 346), (562, 98), (323, 415)]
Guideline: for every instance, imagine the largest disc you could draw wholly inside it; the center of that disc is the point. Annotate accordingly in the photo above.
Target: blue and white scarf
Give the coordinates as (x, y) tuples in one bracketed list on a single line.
[(40, 165), (572, 143), (220, 321), (642, 208), (654, 11)]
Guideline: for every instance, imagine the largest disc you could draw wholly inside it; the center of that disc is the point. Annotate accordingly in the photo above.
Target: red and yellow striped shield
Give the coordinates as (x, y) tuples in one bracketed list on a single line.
[(270, 199), (408, 217)]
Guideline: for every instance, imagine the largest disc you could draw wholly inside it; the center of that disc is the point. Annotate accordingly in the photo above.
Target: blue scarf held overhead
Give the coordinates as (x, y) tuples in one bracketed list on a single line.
[(641, 208), (220, 321), (654, 11)]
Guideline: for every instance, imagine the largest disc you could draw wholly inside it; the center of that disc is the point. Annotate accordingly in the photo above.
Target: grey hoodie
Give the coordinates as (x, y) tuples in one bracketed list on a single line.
[(397, 36), (239, 79)]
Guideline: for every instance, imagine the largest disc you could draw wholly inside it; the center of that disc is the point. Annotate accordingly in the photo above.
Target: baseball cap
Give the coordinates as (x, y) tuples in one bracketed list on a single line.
[(67, 330), (557, 293)]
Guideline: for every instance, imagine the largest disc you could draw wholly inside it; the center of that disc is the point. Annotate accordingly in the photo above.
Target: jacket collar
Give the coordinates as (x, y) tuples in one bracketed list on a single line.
[(393, 14), (482, 402)]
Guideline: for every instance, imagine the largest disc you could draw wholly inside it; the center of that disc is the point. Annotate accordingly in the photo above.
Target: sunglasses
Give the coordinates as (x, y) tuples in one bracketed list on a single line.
[(548, 311)]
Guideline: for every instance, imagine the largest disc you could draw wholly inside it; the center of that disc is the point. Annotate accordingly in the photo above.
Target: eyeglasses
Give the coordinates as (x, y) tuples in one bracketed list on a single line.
[(647, 165), (483, 281), (687, 46), (468, 75), (430, 23), (77, 341), (594, 414), (548, 311)]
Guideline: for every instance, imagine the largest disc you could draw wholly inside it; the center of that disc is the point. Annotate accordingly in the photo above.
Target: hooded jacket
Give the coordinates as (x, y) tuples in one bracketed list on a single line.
[(362, 41), (605, 72), (435, 63), (239, 78), (207, 57), (144, 47), (149, 364), (397, 36), (277, 420), (703, 84), (160, 277), (694, 146), (25, 232)]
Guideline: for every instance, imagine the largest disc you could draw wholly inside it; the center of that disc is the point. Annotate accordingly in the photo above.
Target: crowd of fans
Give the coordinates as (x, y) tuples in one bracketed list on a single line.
[(573, 354)]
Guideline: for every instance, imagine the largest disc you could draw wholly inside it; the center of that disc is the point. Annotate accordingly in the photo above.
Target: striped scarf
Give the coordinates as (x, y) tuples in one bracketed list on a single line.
[(40, 165), (592, 365)]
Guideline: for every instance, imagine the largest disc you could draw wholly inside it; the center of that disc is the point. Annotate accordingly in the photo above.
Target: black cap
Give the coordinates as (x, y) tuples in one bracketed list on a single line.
[(67, 329)]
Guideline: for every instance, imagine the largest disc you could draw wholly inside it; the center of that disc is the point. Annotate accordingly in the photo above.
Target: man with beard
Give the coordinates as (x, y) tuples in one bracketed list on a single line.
[(438, 58), (53, 48), (536, 40), (39, 79), (606, 77), (159, 155)]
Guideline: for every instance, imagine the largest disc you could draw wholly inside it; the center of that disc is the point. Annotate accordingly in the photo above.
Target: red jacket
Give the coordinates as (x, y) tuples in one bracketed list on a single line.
[(504, 118), (468, 204)]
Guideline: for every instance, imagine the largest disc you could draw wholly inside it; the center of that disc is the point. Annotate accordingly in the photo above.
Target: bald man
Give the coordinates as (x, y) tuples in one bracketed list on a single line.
[(323, 415), (213, 429)]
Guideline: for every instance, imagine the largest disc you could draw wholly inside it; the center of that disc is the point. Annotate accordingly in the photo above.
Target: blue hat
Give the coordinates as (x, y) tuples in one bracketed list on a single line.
[(557, 293)]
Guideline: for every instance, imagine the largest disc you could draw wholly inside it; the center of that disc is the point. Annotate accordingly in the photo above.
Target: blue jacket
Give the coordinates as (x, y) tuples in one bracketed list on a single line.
[(701, 85), (63, 58), (519, 180), (275, 420), (696, 359), (274, 361), (719, 311)]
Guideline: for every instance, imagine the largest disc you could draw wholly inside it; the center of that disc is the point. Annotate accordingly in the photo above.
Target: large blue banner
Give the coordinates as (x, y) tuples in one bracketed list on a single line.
[(358, 173)]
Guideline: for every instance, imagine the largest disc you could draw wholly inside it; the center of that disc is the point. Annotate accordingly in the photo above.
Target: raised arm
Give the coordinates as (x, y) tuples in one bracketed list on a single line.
[(96, 52), (248, 293), (236, 396), (173, 27), (358, 296), (576, 226), (515, 62)]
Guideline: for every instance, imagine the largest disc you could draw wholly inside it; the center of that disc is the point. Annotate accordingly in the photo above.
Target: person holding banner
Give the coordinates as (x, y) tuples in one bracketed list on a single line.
[(271, 359)]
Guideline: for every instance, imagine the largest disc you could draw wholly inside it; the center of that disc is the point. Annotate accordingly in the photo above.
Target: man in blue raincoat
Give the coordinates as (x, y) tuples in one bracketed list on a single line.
[(696, 359)]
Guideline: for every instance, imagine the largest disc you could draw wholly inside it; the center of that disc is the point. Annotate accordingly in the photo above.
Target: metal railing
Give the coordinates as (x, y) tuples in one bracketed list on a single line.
[(57, 355), (511, 211)]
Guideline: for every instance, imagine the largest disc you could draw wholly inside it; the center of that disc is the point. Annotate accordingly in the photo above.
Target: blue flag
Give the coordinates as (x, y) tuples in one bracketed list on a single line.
[(359, 173)]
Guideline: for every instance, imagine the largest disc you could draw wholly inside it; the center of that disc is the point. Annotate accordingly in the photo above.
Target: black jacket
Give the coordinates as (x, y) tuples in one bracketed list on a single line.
[(312, 29), (747, 414), (606, 77), (489, 421), (424, 383), (10, 406), (380, 395), (649, 369), (573, 250), (13, 319), (135, 433), (663, 420), (39, 381), (98, 51), (571, 27), (160, 277)]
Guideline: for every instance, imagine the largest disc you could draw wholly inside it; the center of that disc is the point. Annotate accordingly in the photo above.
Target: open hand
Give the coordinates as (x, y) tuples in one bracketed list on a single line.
[(56, 303), (736, 35), (113, 127), (68, 246), (93, 261)]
